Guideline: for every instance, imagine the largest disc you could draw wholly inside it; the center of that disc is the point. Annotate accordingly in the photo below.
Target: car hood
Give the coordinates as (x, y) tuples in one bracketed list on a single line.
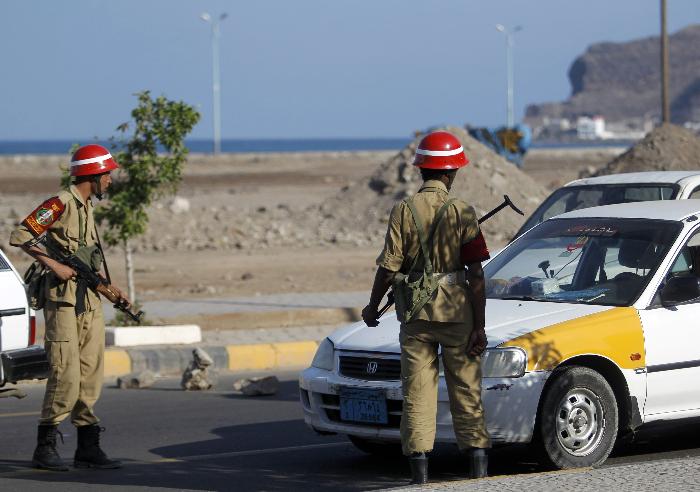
[(505, 320)]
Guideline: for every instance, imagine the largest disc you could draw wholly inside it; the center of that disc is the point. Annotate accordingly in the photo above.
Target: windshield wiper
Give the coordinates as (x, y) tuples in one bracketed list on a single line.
[(518, 298)]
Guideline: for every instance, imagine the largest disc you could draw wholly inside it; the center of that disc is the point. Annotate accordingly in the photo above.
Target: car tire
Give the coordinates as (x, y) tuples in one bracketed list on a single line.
[(578, 419), (376, 448)]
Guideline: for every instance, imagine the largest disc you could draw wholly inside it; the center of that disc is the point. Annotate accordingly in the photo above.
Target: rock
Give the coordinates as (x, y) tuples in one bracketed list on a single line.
[(258, 386), (617, 81), (199, 376), (136, 380), (179, 205)]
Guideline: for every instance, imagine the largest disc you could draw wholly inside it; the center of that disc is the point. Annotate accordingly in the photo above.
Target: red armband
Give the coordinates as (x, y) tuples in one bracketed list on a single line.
[(475, 250), (43, 216)]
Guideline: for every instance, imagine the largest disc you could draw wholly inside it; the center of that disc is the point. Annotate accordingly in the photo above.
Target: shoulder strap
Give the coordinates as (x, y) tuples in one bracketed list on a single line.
[(82, 223), (421, 236), (438, 217), (426, 245)]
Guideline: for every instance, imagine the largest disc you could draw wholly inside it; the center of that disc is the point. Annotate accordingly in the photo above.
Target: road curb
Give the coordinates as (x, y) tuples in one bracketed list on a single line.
[(173, 360), (269, 319)]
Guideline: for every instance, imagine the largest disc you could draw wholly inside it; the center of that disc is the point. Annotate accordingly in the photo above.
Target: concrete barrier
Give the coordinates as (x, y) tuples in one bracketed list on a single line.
[(131, 336), (173, 360)]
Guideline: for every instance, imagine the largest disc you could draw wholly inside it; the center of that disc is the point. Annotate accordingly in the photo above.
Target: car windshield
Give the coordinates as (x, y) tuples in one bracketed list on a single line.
[(581, 260), (575, 197)]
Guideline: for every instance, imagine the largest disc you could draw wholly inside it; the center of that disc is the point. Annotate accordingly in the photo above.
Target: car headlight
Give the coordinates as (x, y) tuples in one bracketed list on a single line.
[(503, 363), (324, 355)]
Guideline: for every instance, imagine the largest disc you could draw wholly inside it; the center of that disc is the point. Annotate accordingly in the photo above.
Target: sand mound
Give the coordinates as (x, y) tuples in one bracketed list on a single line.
[(666, 148), (361, 210)]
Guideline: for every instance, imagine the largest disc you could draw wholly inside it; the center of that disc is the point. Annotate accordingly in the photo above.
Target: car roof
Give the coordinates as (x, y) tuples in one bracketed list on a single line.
[(660, 209), (640, 177)]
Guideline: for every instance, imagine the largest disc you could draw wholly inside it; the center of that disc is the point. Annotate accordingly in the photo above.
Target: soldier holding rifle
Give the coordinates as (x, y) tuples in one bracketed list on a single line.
[(430, 239), (75, 334)]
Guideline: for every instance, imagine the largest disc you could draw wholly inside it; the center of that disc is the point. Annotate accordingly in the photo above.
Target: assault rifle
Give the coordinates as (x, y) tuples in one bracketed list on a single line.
[(94, 281), (506, 203), (87, 278)]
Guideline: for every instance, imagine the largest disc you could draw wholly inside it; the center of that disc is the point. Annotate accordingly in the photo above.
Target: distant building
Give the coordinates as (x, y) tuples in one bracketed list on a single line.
[(591, 128)]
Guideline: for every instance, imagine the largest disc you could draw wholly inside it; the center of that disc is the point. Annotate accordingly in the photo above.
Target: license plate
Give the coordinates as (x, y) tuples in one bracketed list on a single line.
[(363, 405)]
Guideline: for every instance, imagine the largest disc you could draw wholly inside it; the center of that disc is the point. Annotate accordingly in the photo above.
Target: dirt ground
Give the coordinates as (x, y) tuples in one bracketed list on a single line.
[(254, 183)]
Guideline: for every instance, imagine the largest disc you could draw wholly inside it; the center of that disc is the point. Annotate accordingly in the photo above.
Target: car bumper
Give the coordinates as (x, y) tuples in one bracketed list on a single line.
[(510, 406), (23, 364)]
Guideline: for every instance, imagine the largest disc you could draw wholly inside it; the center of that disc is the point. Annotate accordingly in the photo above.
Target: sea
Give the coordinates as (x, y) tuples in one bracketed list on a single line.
[(12, 147)]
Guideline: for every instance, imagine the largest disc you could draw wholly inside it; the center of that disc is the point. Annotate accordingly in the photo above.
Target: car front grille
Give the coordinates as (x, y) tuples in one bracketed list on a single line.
[(368, 368)]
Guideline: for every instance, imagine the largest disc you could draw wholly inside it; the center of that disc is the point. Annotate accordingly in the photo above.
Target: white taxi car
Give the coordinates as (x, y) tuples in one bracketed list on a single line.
[(592, 322), (20, 359)]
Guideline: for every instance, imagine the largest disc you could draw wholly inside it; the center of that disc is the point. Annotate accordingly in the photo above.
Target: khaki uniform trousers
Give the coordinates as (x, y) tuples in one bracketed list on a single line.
[(419, 383), (75, 349)]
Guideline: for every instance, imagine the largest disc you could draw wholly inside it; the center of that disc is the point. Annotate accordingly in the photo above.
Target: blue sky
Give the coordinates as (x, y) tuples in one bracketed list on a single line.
[(303, 68)]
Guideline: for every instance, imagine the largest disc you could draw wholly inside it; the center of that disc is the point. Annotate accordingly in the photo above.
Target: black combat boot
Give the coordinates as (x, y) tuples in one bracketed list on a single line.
[(478, 463), (45, 454), (89, 454), (419, 468)]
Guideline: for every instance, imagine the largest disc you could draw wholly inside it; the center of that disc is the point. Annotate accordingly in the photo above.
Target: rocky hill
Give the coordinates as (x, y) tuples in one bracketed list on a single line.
[(622, 81)]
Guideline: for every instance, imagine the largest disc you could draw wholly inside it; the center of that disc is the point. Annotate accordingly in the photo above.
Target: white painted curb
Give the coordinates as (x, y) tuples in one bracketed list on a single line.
[(131, 336)]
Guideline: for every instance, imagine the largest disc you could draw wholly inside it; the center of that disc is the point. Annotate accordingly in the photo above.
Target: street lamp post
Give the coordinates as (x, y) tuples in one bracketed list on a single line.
[(509, 68), (665, 107), (215, 76)]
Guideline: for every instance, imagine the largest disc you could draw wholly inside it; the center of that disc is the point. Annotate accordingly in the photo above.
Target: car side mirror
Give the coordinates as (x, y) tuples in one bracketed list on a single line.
[(680, 289)]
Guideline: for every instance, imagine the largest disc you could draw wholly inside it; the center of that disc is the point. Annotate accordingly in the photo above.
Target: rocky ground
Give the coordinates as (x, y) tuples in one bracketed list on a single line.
[(299, 222)]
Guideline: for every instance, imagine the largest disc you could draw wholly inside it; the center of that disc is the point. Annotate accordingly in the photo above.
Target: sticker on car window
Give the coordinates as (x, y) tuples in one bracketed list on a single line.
[(591, 230)]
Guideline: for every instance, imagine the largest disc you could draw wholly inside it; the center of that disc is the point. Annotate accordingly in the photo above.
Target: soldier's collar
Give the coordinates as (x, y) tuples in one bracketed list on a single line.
[(433, 183), (76, 194)]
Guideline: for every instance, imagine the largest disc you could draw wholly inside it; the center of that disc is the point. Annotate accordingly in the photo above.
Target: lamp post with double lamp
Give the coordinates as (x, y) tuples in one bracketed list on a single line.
[(509, 68), (215, 76)]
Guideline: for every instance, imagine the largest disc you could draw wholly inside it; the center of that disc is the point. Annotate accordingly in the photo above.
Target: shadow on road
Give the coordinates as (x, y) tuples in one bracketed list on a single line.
[(283, 455)]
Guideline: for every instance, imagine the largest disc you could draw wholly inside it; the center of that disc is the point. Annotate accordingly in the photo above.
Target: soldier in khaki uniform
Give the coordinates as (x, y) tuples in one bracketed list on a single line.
[(452, 316), (74, 337)]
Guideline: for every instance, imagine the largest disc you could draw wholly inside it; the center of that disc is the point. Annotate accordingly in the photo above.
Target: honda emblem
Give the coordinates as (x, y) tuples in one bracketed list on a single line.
[(372, 367)]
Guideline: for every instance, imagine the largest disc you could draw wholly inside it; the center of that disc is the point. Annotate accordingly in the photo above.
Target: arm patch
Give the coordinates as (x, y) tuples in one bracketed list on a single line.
[(44, 216), (475, 250)]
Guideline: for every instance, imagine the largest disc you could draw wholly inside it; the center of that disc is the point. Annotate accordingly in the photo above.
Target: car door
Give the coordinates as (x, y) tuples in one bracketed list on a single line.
[(14, 309), (672, 343)]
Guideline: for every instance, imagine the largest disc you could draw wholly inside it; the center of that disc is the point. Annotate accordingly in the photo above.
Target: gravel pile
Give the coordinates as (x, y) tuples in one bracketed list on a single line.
[(666, 148)]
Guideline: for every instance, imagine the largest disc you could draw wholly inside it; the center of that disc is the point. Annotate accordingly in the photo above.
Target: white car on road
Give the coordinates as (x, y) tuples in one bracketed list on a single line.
[(616, 188), (592, 328), (20, 359)]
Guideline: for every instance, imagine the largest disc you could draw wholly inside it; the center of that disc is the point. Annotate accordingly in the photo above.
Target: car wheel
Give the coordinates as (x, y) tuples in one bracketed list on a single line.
[(578, 418), (376, 448)]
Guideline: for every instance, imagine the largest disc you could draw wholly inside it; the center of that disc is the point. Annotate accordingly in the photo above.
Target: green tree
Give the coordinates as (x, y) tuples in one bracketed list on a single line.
[(151, 154)]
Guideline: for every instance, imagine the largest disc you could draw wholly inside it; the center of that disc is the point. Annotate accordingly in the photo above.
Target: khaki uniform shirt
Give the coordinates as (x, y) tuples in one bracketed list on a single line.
[(458, 226), (64, 235)]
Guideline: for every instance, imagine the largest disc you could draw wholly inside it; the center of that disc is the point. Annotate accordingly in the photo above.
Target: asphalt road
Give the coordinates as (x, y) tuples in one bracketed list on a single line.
[(218, 440)]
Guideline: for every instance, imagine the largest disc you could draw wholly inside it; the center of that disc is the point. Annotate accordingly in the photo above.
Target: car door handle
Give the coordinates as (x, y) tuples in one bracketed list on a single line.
[(12, 312)]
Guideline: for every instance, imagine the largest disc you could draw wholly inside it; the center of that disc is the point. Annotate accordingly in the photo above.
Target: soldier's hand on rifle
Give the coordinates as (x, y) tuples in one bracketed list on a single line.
[(122, 299), (477, 342), (63, 272), (370, 315)]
